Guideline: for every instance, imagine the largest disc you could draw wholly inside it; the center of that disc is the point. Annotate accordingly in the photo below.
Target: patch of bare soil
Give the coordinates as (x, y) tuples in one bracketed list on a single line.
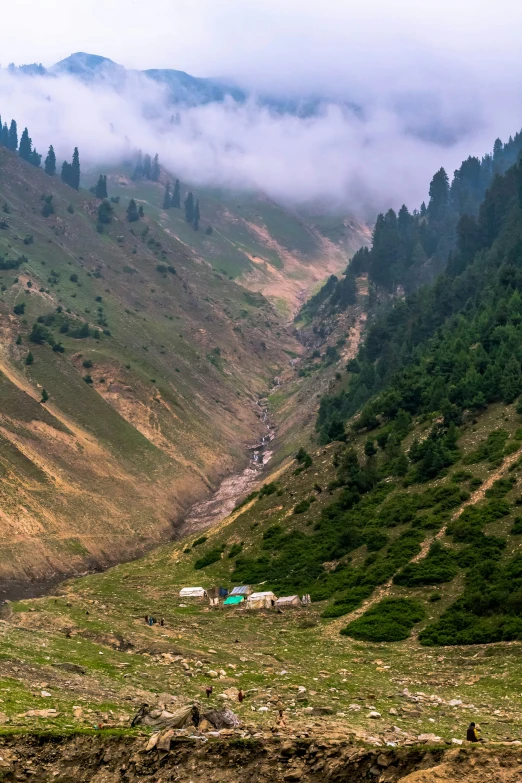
[(232, 757)]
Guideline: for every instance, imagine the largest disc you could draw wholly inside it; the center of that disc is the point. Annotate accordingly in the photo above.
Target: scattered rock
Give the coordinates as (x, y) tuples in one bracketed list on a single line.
[(70, 667), (374, 714), (212, 673)]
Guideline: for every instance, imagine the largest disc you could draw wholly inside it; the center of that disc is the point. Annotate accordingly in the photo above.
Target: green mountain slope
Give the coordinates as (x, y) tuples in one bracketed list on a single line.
[(266, 247), (417, 497), (151, 400)]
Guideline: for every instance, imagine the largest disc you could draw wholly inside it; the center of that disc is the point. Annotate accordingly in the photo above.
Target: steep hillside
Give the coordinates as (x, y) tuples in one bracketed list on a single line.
[(152, 360), (246, 236)]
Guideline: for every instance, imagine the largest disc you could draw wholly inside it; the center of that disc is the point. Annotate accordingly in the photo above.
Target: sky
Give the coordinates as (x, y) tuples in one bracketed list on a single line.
[(435, 81)]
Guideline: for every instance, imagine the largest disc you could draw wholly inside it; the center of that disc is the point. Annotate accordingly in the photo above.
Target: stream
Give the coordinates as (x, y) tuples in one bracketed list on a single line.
[(234, 488), (199, 517)]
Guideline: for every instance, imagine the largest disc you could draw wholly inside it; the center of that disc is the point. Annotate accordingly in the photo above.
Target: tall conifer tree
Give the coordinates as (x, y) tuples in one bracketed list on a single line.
[(50, 162), (189, 208), (176, 196), (26, 146), (196, 216), (75, 170), (12, 141), (166, 198)]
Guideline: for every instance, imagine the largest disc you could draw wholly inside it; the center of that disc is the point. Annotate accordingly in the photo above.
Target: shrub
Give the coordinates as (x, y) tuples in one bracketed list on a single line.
[(212, 556), (375, 540), (87, 363), (235, 550), (391, 620), (48, 206), (348, 601), (19, 309), (40, 335), (88, 379), (45, 396), (199, 541), (73, 278), (303, 458), (268, 489), (516, 530), (436, 568), (58, 348), (302, 506)]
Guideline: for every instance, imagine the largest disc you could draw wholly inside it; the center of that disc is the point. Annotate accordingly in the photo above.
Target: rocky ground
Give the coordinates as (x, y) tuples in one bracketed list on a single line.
[(106, 759)]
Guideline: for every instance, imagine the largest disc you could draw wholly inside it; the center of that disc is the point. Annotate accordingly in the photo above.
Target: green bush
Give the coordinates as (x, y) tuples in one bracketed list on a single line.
[(268, 489), (348, 601), (212, 556), (391, 620), (516, 530), (235, 550), (436, 568), (302, 506), (199, 541)]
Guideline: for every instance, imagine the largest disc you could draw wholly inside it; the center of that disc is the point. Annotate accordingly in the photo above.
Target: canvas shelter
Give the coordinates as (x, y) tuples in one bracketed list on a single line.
[(233, 600), (264, 600), (192, 592), (288, 600), (244, 590)]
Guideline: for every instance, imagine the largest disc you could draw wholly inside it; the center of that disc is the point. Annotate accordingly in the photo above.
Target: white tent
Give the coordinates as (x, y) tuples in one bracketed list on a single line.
[(192, 592), (288, 600), (263, 600)]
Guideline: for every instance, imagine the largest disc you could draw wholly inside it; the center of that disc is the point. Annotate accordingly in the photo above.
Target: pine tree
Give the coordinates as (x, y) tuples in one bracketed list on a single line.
[(45, 396), (105, 212), (12, 141), (147, 166), (166, 198), (155, 170), (176, 196), (29, 359), (4, 136), (35, 159), (66, 173), (75, 170), (138, 168), (511, 380), (189, 208), (101, 187), (141, 212), (132, 212), (196, 216), (50, 162), (439, 196), (26, 146)]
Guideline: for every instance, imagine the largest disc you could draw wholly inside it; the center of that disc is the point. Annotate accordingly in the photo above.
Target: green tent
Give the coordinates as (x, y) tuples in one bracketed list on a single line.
[(233, 600)]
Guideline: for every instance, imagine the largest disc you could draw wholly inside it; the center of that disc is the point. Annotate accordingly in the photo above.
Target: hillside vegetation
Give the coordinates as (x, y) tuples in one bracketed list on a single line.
[(129, 375)]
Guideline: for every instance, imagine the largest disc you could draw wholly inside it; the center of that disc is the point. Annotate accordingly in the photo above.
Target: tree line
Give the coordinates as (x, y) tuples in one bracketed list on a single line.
[(70, 172)]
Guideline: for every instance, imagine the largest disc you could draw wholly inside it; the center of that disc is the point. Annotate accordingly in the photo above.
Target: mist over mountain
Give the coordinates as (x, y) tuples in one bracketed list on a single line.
[(331, 147)]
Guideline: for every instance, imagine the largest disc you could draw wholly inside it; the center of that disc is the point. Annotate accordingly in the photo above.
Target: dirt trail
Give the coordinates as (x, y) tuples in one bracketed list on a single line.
[(333, 628)]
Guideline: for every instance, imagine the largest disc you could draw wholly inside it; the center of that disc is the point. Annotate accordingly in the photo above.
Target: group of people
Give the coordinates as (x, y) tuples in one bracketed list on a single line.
[(150, 620)]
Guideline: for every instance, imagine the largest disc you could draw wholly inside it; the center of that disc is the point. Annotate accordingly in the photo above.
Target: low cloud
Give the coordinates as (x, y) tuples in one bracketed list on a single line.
[(358, 160)]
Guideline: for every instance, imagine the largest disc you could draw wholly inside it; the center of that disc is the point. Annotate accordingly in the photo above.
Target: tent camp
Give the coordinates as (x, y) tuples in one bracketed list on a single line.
[(244, 590), (192, 592), (288, 600), (233, 600), (263, 600)]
